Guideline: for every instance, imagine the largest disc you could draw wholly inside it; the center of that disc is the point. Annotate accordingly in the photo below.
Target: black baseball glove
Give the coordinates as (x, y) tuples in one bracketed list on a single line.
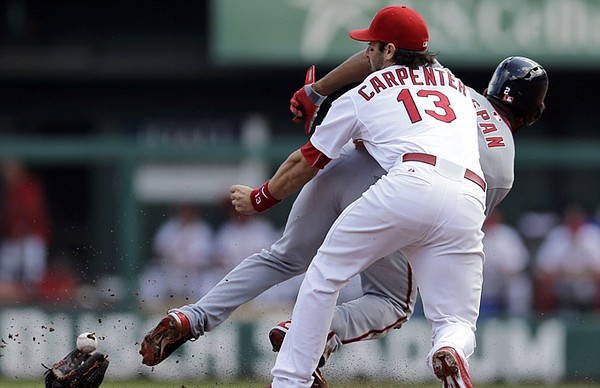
[(77, 370)]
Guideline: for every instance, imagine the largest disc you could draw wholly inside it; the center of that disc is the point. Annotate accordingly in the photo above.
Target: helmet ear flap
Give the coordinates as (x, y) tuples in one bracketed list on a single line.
[(537, 114)]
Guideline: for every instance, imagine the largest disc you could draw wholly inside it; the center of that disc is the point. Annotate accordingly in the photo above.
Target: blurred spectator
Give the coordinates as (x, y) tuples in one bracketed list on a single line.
[(240, 236), (507, 288), (568, 264), (58, 285), (534, 226), (182, 266), (25, 227)]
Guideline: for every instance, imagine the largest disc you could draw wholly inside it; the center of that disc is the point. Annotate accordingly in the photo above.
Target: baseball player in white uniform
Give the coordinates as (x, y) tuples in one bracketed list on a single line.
[(419, 123), (314, 210)]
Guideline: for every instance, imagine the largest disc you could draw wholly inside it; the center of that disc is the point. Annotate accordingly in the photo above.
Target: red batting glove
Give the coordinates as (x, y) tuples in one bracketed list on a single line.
[(305, 102)]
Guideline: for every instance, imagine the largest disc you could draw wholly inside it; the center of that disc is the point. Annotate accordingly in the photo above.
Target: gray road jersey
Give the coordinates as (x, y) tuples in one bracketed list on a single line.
[(496, 151)]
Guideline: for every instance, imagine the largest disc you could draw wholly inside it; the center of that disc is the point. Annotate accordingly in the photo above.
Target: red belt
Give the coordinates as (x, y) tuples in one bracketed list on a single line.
[(432, 159)]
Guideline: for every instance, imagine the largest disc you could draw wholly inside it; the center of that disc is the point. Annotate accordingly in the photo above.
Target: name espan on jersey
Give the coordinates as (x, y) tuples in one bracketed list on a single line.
[(488, 128)]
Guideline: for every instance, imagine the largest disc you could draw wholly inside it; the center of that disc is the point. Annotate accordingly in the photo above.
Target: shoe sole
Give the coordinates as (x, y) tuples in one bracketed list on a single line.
[(154, 344), (276, 336), (449, 370), (161, 342)]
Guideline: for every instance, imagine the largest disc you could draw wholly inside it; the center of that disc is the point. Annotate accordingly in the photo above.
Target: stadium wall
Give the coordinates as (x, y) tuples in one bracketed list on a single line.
[(514, 350)]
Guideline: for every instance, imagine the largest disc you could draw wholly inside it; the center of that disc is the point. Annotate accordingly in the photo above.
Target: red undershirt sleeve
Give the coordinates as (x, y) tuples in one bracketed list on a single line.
[(315, 157)]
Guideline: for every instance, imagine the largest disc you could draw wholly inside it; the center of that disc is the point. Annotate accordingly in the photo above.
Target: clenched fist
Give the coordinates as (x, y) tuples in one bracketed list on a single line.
[(241, 200)]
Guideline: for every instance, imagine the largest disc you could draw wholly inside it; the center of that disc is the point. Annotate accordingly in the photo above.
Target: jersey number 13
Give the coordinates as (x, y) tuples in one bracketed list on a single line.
[(440, 100)]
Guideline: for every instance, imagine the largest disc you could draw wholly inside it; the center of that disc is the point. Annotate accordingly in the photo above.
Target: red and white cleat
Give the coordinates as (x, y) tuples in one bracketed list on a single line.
[(170, 333), (450, 369)]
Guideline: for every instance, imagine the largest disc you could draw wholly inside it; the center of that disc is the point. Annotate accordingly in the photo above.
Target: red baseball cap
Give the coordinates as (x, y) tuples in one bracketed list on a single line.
[(399, 25)]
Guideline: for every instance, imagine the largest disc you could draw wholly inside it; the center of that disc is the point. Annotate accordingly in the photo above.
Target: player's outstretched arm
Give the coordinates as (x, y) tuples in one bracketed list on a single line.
[(292, 175), (354, 69), (289, 178)]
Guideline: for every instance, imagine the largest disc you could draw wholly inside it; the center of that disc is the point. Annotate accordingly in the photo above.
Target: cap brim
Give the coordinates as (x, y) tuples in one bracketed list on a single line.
[(362, 35)]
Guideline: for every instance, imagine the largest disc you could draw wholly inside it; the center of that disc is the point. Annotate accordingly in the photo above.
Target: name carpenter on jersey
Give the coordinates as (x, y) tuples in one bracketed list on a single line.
[(423, 76)]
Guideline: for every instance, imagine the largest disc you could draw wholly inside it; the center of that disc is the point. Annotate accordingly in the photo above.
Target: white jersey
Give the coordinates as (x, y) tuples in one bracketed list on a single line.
[(429, 212), (497, 150), (399, 110)]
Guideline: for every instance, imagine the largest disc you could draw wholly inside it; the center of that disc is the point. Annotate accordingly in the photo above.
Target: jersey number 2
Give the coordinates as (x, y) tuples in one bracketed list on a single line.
[(441, 101)]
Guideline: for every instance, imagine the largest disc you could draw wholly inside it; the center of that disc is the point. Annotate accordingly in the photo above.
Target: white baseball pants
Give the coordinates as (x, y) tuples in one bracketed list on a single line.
[(433, 215)]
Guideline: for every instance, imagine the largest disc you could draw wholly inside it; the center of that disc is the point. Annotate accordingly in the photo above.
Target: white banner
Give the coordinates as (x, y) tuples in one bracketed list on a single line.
[(507, 350)]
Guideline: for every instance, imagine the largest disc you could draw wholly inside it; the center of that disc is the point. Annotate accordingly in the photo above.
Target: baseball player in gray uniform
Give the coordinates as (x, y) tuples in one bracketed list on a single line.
[(384, 306), (514, 98)]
